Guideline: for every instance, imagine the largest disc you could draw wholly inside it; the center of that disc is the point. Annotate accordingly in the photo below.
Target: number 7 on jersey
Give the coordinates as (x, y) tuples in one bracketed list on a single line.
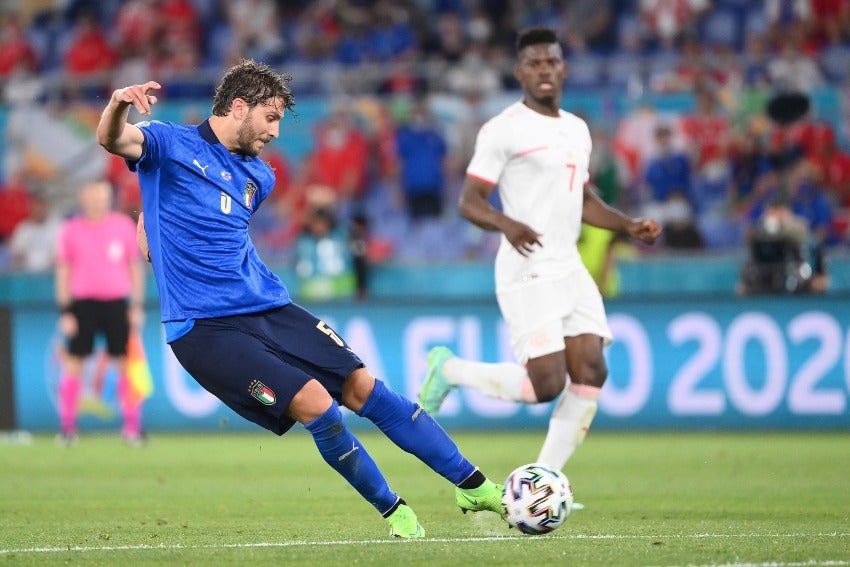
[(572, 168)]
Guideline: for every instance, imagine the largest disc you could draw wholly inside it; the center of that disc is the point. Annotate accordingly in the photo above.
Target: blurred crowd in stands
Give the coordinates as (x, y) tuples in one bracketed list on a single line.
[(409, 82)]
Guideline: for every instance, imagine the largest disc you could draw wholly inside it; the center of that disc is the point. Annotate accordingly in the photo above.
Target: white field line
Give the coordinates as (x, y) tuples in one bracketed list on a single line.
[(85, 549)]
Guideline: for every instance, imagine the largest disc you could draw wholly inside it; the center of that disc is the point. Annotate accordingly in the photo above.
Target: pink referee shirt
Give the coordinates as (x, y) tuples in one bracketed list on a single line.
[(99, 254)]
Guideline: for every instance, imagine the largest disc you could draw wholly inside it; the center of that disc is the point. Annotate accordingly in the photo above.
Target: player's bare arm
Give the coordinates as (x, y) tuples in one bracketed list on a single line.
[(113, 131), (475, 208), (597, 213)]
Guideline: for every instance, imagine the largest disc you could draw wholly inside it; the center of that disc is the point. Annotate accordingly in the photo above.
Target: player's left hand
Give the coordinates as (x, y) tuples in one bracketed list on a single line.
[(646, 230)]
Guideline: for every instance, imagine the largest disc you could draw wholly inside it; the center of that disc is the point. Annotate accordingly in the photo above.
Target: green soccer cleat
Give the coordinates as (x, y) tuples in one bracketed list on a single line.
[(487, 497), (435, 388), (403, 523)]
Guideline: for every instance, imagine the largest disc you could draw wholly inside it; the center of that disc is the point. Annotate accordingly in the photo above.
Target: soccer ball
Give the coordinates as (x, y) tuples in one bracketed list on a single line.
[(537, 498)]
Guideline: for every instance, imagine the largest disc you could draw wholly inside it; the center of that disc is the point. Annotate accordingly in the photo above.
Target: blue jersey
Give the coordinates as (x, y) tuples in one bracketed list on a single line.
[(198, 199)]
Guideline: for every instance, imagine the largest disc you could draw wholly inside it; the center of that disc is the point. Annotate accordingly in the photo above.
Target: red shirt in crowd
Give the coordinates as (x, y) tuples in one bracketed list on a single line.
[(707, 135), (834, 171), (136, 25), (807, 134), (14, 207), (15, 50), (89, 51), (180, 21), (340, 160)]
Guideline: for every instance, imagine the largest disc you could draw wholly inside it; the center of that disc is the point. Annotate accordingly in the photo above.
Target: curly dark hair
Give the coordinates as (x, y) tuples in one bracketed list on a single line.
[(535, 36), (253, 82)]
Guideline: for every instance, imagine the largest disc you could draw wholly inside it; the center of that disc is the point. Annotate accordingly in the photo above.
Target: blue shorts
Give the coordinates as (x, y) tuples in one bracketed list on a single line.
[(256, 363)]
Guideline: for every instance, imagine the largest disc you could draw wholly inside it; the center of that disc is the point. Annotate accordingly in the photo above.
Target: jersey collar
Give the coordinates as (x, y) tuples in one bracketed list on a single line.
[(206, 132)]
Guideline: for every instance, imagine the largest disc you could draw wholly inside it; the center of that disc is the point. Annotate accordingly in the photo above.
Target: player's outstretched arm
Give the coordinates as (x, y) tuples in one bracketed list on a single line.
[(597, 213), (475, 208), (113, 131)]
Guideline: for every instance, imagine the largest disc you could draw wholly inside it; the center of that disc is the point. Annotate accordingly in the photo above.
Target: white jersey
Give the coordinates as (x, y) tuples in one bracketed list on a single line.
[(540, 164)]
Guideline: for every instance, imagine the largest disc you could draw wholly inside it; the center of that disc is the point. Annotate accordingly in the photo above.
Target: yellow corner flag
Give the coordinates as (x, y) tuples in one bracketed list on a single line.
[(138, 371)]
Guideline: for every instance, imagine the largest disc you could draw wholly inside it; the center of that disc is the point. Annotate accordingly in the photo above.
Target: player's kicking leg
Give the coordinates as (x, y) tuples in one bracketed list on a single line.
[(345, 454), (415, 431), (287, 395)]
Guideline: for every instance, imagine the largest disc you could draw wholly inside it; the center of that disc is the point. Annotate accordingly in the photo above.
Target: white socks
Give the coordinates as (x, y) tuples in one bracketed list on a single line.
[(568, 424), (570, 419), (503, 380)]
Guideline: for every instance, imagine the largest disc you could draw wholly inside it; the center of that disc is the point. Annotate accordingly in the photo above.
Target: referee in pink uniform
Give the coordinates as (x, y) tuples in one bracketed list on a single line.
[(99, 290)]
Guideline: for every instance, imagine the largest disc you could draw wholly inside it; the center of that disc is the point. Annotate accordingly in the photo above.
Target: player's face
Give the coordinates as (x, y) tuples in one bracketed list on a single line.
[(261, 124), (541, 71)]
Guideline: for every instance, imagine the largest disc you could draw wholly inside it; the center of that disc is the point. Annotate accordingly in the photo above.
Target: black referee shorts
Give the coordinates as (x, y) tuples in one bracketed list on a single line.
[(95, 316)]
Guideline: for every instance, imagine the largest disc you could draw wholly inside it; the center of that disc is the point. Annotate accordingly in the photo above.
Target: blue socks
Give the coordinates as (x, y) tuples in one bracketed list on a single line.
[(344, 453), (408, 426), (414, 430)]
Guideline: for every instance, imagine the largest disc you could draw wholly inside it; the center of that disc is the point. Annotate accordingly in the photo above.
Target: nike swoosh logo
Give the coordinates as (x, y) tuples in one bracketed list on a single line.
[(472, 501)]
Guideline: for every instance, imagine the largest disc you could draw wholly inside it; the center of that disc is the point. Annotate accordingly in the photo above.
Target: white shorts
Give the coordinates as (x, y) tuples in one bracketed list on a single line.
[(541, 312)]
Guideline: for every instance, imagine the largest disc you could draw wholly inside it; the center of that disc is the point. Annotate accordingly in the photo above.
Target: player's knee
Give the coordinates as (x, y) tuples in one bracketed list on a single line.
[(311, 401), (599, 371), (591, 373), (357, 389), (549, 386)]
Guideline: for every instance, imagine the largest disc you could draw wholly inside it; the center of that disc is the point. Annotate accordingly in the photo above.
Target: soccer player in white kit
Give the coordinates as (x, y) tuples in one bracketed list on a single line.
[(538, 156)]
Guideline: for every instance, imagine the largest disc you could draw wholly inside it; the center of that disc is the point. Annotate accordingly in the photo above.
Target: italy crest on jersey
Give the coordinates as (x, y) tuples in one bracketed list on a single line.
[(262, 392), (248, 194)]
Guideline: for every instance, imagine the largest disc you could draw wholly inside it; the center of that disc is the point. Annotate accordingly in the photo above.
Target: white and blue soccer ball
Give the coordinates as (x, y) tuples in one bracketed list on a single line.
[(537, 498)]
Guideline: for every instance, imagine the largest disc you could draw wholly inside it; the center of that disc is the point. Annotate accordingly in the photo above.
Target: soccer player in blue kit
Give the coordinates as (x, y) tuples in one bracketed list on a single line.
[(230, 321)]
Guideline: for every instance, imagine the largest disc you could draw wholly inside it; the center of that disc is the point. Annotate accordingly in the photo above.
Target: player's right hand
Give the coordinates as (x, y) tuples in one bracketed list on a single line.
[(139, 96), (521, 236)]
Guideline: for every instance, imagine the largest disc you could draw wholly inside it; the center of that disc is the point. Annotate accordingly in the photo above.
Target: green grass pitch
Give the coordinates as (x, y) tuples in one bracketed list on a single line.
[(761, 499)]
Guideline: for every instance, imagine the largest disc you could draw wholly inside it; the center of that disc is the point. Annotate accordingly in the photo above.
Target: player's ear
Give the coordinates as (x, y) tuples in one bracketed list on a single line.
[(239, 108)]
